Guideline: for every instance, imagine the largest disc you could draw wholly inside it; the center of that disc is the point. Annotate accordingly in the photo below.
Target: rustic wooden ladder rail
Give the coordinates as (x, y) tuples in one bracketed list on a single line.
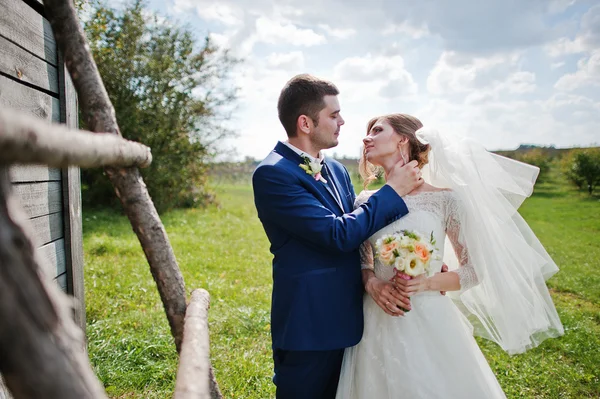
[(41, 347)]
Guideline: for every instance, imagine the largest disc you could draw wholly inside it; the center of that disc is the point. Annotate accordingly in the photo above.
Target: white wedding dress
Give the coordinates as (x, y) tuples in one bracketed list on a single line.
[(430, 352)]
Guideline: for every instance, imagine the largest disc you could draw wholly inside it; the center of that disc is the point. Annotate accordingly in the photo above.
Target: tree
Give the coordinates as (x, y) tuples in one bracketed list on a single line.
[(168, 92), (582, 168)]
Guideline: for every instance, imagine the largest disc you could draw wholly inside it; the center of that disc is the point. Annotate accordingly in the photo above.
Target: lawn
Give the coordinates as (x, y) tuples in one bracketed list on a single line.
[(224, 250)]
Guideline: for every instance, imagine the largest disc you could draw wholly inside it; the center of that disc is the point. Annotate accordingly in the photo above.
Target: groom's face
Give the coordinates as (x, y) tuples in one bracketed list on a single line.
[(325, 134)]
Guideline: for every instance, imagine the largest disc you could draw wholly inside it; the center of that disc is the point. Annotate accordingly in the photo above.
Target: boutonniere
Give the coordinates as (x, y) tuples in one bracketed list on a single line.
[(313, 168)]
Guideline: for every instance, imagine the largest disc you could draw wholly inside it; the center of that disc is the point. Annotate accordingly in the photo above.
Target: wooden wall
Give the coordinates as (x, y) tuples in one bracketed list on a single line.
[(33, 80)]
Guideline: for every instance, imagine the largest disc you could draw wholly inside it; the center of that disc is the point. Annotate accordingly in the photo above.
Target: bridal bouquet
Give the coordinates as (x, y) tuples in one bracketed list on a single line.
[(407, 251)]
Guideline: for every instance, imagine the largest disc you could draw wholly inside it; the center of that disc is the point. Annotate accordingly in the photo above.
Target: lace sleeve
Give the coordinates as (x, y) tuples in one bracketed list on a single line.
[(362, 197), (366, 256), (466, 272), (367, 260)]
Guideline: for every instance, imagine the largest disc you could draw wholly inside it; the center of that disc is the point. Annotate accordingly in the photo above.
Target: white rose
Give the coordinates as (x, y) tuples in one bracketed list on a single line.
[(406, 242), (413, 266), (315, 166), (399, 264)]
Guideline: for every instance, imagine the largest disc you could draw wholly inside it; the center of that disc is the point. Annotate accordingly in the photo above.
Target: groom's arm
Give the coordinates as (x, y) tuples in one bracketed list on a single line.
[(280, 199)]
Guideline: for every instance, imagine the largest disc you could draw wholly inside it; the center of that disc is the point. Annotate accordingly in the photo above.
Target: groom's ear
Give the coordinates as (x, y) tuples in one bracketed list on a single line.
[(304, 124)]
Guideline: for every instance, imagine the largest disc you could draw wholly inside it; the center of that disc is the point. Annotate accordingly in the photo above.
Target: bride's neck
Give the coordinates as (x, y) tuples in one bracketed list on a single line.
[(389, 162)]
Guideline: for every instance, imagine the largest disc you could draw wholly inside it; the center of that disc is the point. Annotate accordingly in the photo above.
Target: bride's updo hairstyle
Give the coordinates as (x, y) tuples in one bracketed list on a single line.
[(404, 125)]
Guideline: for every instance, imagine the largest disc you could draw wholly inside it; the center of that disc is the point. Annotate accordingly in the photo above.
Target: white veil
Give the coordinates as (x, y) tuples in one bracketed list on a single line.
[(511, 304)]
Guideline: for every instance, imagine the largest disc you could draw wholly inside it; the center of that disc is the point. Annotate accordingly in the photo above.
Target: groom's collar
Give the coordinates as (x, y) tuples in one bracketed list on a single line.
[(303, 154)]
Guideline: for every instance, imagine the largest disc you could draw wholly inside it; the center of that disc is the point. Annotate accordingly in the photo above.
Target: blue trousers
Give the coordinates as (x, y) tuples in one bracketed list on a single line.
[(307, 374)]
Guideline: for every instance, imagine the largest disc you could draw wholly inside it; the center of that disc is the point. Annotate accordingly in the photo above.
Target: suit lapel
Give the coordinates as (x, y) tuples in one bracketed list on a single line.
[(292, 156), (335, 182)]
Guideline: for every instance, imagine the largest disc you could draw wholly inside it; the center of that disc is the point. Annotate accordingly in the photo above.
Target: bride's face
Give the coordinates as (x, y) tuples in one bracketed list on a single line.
[(382, 143)]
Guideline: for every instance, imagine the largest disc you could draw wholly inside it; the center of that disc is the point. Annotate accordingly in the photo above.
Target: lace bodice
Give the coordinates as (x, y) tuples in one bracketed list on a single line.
[(433, 212)]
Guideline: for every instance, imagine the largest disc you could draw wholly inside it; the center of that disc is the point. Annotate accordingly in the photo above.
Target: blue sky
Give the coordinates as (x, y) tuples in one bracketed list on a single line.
[(504, 72)]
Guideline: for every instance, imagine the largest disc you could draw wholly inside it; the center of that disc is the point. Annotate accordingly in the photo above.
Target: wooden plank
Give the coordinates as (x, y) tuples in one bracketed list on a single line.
[(22, 65), (71, 117), (40, 199), (28, 100), (53, 259), (72, 203), (62, 281), (74, 239), (48, 228), (33, 173), (23, 25)]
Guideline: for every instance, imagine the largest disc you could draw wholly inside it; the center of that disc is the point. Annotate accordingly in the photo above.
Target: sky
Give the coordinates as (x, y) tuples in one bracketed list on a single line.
[(504, 72)]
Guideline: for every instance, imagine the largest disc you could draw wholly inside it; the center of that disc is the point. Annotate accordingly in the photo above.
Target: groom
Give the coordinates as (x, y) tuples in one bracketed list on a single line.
[(305, 203)]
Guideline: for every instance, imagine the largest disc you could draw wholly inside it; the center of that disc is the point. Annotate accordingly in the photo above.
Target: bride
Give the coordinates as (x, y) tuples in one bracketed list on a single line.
[(496, 282)]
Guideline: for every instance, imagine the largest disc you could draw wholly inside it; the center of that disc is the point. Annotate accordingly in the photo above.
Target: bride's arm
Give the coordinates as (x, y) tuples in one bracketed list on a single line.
[(460, 279), (390, 300)]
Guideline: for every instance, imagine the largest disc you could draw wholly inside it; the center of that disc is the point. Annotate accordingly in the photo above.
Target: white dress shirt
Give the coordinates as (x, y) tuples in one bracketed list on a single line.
[(320, 159)]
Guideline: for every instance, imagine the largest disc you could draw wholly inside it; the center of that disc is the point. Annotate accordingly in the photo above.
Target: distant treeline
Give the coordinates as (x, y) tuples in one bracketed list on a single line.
[(579, 166), (551, 151)]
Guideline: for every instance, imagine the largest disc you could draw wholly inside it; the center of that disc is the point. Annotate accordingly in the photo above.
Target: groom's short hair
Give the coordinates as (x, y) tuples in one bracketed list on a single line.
[(303, 95)]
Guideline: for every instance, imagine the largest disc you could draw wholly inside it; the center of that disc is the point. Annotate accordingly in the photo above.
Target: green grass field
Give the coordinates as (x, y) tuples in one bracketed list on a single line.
[(224, 250)]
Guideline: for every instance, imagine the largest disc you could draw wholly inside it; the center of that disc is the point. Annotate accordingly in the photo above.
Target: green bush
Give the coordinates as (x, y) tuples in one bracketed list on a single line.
[(169, 92)]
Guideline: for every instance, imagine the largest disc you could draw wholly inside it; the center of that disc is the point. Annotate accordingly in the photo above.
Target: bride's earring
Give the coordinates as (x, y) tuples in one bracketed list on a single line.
[(402, 155), (403, 158)]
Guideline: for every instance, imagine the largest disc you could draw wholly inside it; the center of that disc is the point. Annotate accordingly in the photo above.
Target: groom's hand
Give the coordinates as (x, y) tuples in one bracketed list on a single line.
[(405, 178), (389, 299), (444, 270)]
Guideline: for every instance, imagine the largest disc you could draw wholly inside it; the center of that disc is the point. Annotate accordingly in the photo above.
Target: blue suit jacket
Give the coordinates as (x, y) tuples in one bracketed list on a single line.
[(317, 285)]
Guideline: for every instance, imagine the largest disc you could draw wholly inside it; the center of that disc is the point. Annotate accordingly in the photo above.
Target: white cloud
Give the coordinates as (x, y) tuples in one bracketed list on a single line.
[(376, 74), (398, 87), (286, 61), (588, 73), (590, 28), (404, 28), (221, 13), (564, 46), (219, 40), (277, 32), (338, 33), (454, 73), (491, 68), (587, 39), (507, 124), (370, 67), (518, 82), (574, 109)]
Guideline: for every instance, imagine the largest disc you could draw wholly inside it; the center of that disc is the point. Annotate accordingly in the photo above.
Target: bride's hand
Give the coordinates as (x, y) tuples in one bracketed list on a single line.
[(416, 285), (389, 299)]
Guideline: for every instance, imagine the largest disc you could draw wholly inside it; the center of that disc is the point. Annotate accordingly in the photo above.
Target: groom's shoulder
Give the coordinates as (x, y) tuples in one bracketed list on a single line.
[(273, 159), (273, 163)]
